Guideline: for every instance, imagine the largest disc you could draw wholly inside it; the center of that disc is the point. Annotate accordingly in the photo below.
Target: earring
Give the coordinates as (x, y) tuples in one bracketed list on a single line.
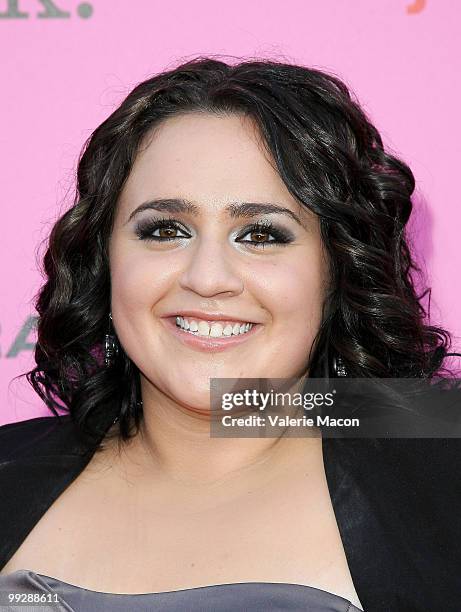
[(338, 366), (138, 407), (110, 346)]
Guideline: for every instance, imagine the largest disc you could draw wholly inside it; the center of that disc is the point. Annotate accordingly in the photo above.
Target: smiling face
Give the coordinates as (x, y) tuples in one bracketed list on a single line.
[(206, 178)]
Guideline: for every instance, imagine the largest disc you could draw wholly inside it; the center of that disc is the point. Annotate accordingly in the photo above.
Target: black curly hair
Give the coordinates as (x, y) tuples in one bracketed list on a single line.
[(330, 157)]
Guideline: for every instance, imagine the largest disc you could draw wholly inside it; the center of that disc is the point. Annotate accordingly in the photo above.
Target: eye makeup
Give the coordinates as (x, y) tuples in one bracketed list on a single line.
[(146, 230)]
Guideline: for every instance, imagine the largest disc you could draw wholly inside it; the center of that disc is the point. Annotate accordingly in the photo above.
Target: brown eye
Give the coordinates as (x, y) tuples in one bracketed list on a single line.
[(160, 230), (167, 232), (259, 236), (265, 235)]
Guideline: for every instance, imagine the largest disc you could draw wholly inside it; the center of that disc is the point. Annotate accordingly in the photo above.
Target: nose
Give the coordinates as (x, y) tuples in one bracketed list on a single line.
[(209, 272)]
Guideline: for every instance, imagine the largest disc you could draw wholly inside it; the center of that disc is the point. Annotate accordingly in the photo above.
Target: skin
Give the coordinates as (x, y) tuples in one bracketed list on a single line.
[(211, 161)]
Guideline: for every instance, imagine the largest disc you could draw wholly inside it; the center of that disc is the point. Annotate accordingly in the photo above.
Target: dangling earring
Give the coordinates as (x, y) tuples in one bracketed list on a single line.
[(338, 366), (110, 346)]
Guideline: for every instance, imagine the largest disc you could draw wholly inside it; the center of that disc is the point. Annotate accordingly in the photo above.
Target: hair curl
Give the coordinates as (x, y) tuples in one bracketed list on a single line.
[(330, 157)]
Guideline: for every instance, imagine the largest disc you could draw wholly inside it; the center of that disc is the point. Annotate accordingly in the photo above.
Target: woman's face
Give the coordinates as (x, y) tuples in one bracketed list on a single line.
[(209, 178)]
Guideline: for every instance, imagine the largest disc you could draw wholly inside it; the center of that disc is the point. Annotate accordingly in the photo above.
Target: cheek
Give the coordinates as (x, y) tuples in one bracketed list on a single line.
[(295, 291), (136, 285), (294, 294), (136, 278)]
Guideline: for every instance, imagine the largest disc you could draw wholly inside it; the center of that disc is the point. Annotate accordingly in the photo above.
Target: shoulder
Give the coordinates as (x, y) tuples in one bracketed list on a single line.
[(399, 502), (45, 436), (40, 436), (431, 461), (411, 468), (426, 474), (422, 506), (26, 437), (411, 484), (39, 458)]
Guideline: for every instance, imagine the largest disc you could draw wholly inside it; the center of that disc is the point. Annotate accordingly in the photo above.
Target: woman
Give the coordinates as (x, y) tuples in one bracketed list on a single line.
[(230, 222)]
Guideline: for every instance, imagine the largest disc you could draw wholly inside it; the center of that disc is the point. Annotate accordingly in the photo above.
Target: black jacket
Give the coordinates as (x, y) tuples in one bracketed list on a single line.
[(396, 501)]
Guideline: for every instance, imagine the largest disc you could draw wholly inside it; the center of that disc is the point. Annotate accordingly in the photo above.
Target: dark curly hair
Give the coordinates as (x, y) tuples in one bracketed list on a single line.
[(330, 157)]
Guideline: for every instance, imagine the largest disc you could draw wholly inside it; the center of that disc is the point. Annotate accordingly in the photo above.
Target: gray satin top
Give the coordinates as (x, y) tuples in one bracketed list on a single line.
[(59, 596)]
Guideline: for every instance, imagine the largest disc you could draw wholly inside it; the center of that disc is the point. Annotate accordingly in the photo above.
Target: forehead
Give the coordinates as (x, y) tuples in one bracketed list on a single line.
[(207, 159), (204, 143)]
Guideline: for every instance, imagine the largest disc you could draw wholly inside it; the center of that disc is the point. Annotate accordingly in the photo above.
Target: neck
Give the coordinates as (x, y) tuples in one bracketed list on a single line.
[(174, 443)]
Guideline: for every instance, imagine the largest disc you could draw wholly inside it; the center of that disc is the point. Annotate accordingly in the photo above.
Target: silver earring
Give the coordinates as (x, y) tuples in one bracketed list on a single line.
[(110, 346), (338, 366)]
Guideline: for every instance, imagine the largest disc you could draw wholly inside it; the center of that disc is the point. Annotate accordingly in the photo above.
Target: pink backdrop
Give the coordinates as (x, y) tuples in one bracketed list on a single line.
[(66, 65)]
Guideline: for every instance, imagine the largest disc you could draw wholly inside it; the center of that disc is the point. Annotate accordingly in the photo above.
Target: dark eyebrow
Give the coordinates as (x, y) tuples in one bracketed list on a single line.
[(244, 209)]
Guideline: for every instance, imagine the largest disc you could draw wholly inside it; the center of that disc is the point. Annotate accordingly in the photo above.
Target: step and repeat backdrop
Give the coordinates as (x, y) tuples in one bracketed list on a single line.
[(65, 65)]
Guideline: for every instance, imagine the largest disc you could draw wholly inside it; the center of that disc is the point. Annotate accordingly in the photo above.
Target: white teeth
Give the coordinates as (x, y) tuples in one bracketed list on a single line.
[(203, 328), (227, 331), (216, 330)]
